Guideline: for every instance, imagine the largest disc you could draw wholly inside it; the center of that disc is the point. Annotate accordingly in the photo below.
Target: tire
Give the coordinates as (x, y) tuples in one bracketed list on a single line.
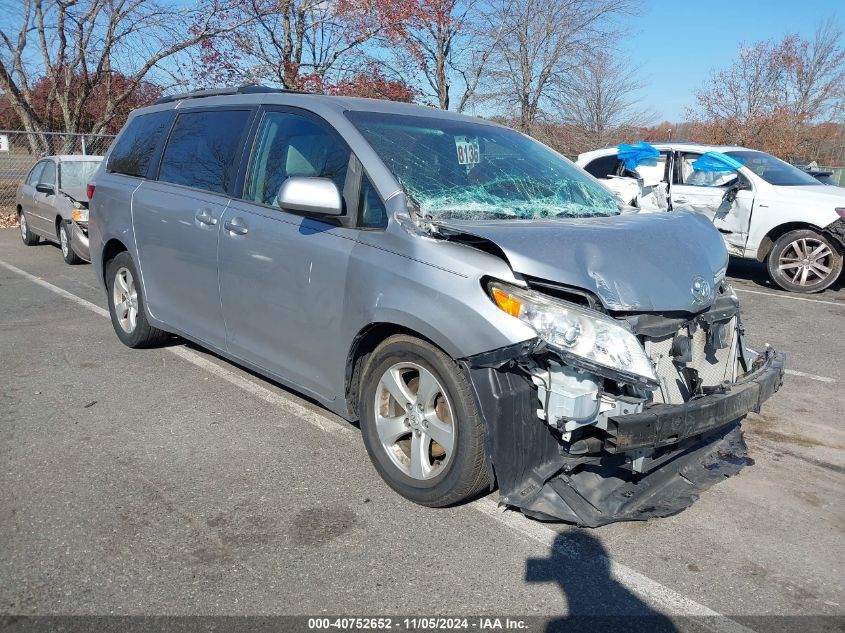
[(68, 253), (129, 321), (813, 257), (440, 476), (27, 236)]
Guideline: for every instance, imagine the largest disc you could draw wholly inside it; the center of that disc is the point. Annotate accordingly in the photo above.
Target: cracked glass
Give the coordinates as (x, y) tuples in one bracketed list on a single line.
[(457, 169)]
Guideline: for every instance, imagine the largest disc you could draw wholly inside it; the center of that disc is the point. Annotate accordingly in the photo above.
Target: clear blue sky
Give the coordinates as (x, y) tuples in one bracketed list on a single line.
[(677, 43)]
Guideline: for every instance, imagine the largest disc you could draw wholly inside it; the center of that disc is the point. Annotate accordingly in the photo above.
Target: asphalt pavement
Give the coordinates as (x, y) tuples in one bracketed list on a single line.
[(171, 482)]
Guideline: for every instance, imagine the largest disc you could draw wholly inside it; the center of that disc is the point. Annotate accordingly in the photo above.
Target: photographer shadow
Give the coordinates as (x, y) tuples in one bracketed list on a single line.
[(596, 601)]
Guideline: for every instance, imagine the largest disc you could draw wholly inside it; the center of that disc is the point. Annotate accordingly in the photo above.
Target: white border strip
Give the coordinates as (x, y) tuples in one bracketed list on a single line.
[(777, 295)]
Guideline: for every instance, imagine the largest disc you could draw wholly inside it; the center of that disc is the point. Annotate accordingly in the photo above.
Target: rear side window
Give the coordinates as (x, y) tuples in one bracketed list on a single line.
[(202, 148), (602, 167), (136, 146)]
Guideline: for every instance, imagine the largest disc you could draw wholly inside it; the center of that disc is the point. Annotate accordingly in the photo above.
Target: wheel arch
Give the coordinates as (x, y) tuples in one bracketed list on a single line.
[(363, 344), (779, 231), (111, 249)]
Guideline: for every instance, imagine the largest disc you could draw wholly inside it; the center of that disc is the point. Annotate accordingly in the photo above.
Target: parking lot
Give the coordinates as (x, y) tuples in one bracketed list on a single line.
[(169, 481)]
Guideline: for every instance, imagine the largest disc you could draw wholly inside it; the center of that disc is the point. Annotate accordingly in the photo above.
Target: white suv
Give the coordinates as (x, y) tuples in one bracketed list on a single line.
[(767, 210)]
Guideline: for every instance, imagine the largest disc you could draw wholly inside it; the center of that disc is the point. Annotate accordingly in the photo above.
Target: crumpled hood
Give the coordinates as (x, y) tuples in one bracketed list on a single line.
[(77, 193), (633, 262)]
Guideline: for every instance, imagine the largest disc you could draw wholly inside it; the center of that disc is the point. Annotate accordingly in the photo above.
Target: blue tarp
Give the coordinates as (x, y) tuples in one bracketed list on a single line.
[(716, 161), (633, 155)]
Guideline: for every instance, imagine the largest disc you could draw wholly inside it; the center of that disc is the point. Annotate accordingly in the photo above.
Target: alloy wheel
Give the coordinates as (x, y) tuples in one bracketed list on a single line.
[(414, 420), (22, 222), (806, 261), (64, 241), (125, 296)]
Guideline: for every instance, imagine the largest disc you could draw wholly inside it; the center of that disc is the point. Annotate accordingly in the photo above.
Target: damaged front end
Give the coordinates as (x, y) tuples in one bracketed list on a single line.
[(572, 439)]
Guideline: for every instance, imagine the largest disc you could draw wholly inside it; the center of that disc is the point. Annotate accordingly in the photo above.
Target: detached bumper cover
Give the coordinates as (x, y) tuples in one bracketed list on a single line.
[(663, 424), (698, 444), (79, 240)]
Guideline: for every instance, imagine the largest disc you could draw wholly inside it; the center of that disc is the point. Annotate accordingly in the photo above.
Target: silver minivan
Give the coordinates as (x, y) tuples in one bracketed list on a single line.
[(480, 304)]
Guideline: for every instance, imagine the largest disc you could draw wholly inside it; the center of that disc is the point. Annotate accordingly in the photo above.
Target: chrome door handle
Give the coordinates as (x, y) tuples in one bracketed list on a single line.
[(236, 226), (204, 216)]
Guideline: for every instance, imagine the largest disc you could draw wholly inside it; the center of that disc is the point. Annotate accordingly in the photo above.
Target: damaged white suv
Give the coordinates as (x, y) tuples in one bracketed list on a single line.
[(475, 300), (765, 209)]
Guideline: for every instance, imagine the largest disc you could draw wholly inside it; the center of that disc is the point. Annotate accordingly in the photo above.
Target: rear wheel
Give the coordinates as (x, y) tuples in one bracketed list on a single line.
[(804, 261), (68, 253), (421, 424), (29, 238), (126, 305)]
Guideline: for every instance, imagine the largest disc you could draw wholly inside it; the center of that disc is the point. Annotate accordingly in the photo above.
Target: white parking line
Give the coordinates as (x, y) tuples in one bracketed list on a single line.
[(322, 422), (777, 295), (660, 597), (795, 372)]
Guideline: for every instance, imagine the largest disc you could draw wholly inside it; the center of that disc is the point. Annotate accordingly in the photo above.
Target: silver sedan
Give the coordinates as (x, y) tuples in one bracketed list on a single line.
[(52, 204)]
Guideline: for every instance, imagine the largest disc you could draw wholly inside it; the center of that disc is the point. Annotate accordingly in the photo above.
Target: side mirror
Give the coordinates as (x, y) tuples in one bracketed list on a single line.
[(45, 189), (317, 196)]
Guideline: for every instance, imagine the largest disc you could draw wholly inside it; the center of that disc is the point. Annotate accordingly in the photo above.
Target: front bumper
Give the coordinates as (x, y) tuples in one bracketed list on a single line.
[(697, 444), (79, 240), (664, 424)]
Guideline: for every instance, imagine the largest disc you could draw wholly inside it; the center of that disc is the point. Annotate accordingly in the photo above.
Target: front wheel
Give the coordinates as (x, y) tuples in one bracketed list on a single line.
[(68, 253), (126, 304), (804, 261), (29, 238), (421, 424)]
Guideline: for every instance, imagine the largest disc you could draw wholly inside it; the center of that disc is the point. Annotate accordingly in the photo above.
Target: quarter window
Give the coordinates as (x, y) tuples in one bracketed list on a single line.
[(293, 145), (202, 149), (371, 211), (135, 148)]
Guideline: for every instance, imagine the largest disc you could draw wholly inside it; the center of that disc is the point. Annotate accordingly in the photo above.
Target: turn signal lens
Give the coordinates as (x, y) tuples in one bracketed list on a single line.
[(841, 211), (89, 191), (506, 302), (76, 215)]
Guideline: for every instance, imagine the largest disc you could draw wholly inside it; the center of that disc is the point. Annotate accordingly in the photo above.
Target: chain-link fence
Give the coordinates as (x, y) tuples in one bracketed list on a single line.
[(19, 151)]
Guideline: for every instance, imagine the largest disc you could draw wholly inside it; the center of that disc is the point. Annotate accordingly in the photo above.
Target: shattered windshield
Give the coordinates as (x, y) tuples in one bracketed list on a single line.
[(472, 171)]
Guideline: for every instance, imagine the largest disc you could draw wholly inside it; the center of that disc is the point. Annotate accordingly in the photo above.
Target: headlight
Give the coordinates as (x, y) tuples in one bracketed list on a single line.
[(582, 337)]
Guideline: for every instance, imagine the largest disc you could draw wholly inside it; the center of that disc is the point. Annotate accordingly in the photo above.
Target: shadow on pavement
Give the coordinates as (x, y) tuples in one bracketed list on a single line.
[(597, 602)]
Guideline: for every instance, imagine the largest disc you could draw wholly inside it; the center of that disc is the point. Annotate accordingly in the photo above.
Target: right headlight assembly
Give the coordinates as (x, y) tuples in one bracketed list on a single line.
[(582, 337)]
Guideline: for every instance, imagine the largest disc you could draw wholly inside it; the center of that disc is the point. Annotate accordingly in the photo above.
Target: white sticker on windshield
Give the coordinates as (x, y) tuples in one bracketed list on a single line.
[(468, 152)]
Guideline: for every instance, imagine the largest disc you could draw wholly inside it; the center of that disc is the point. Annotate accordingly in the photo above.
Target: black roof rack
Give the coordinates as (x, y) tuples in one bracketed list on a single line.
[(231, 90)]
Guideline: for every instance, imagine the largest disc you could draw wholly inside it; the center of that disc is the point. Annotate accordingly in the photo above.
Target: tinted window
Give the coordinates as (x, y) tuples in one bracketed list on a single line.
[(35, 174), (135, 148), (292, 145), (602, 167), (773, 170), (371, 211), (202, 148), (48, 176)]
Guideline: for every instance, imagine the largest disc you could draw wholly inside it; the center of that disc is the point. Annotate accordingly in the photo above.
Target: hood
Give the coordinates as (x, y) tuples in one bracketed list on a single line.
[(633, 262), (77, 193)]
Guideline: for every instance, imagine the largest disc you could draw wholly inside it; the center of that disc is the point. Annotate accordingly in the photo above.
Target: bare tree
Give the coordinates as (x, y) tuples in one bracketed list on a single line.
[(81, 46), (600, 102), (542, 42), (774, 95), (447, 44), (298, 43)]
